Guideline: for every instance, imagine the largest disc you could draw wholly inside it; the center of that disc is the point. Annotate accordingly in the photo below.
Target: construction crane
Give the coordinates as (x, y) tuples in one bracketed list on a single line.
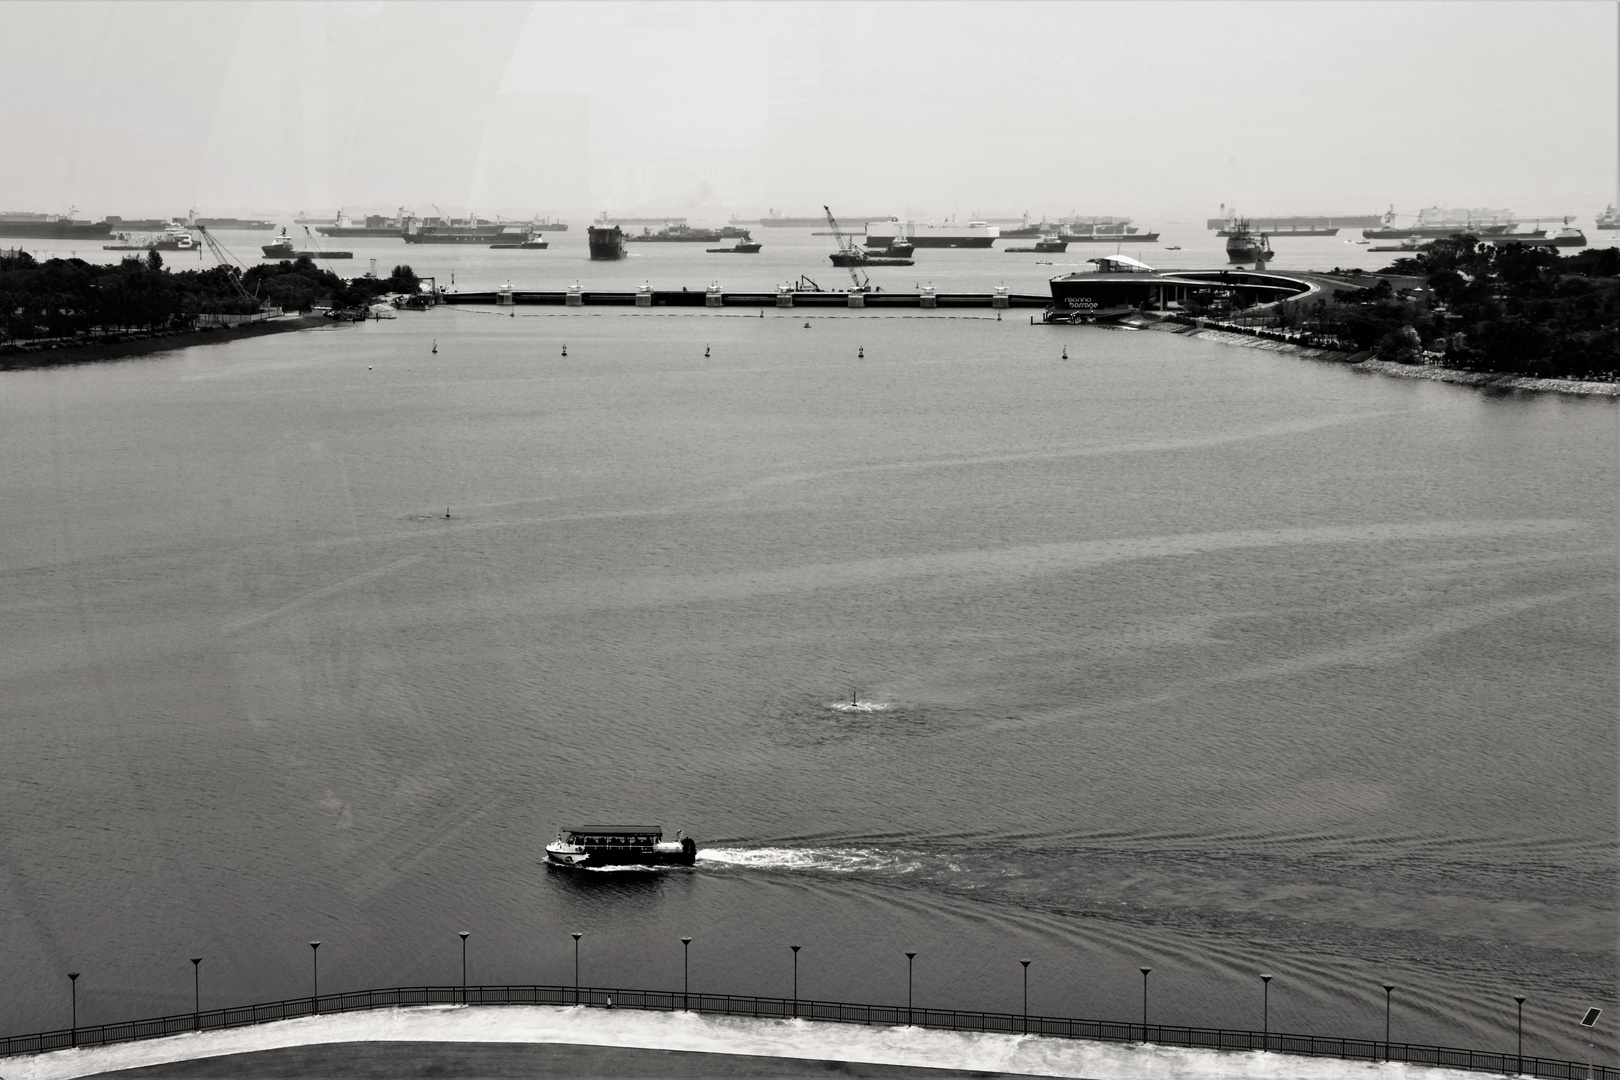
[(232, 272), (849, 256)]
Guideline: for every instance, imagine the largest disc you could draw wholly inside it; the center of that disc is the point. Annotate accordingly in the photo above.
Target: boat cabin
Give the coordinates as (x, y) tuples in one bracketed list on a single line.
[(1121, 264), (612, 838)]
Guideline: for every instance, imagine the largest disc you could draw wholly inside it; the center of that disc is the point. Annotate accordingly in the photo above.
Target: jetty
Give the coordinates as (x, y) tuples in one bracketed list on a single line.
[(780, 297)]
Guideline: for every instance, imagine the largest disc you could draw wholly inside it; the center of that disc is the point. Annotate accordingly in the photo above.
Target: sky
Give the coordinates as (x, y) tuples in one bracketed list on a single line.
[(923, 109)]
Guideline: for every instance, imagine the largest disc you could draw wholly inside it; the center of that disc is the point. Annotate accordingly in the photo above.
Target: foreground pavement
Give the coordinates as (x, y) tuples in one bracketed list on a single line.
[(366, 1044)]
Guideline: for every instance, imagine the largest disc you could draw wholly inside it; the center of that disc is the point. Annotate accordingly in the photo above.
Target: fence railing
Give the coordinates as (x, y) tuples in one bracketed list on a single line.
[(771, 1008)]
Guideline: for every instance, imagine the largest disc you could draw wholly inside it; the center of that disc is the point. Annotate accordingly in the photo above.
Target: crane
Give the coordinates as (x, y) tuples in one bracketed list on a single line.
[(849, 256), (231, 272)]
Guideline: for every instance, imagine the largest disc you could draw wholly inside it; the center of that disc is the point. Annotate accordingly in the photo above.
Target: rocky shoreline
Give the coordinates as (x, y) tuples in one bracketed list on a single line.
[(1368, 363)]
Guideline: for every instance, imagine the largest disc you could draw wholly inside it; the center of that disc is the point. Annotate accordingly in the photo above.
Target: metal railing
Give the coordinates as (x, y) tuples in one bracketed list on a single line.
[(772, 1008)]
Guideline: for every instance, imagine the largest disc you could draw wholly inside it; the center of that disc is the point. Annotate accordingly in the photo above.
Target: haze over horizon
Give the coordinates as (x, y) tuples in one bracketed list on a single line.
[(702, 109)]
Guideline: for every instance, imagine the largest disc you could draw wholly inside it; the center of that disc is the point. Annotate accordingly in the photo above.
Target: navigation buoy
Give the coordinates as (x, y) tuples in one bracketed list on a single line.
[(998, 316), (705, 350), (860, 353), (565, 350), (1065, 352), (807, 326), (514, 314), (447, 511)]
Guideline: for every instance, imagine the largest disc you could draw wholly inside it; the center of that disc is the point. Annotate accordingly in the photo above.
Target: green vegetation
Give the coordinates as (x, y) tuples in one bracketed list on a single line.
[(1512, 308), (72, 299)]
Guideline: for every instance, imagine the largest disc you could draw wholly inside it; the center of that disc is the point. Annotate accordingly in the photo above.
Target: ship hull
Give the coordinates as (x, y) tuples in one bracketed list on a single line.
[(606, 243), (1113, 238), (358, 230)]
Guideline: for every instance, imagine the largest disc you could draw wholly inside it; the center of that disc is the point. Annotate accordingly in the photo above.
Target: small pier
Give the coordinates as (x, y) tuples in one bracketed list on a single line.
[(783, 297)]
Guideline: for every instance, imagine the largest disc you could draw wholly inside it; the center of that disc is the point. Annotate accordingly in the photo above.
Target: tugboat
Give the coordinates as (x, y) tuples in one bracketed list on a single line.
[(589, 847), (1245, 246), (1046, 245), (532, 241), (607, 241), (745, 245)]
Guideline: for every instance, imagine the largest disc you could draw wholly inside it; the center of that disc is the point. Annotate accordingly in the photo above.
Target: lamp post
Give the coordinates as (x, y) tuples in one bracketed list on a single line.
[(1144, 972), (1265, 1010), (462, 934), (1025, 963), (795, 949), (576, 936), (686, 973), (196, 993), (315, 977), (73, 1032), (910, 956), (1389, 988), (1519, 1000)]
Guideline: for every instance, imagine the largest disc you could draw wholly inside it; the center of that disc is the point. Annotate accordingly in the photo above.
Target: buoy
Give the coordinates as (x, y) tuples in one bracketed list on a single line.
[(447, 511), (565, 350), (1065, 352), (860, 353), (998, 316), (807, 326), (435, 345), (514, 314), (705, 350)]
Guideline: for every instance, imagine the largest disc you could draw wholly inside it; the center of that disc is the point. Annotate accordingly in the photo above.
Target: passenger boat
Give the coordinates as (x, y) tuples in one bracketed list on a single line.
[(586, 847)]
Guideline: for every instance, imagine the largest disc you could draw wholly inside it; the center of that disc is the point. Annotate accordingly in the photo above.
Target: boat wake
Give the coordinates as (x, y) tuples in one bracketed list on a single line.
[(852, 860)]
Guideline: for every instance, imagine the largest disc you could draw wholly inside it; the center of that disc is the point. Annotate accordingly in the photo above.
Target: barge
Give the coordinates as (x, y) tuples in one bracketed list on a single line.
[(587, 847)]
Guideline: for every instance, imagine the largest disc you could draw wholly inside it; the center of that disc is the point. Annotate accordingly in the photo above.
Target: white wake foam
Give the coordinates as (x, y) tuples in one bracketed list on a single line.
[(833, 860)]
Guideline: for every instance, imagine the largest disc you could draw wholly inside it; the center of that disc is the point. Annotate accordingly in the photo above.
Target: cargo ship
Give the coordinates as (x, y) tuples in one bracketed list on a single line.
[(241, 224), (52, 226), (587, 847), (1107, 234), (1246, 246), (1046, 245), (1434, 222), (374, 225), (679, 233), (858, 257), (975, 234), (606, 241), (471, 231), (531, 241), (1568, 236)]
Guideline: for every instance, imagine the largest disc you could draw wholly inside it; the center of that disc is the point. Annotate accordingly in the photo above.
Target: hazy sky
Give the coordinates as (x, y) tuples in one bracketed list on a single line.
[(1142, 108)]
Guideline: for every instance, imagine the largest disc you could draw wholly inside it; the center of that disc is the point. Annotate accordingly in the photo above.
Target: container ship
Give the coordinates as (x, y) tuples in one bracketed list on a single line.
[(1120, 233), (374, 225), (473, 231), (606, 240), (241, 224), (52, 227), (975, 234)]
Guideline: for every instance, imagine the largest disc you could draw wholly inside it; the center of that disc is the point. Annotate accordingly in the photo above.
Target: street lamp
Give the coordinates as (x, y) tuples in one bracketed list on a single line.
[(1389, 988), (1026, 995), (1144, 972), (795, 949), (910, 956), (462, 934), (73, 982), (1265, 1010), (315, 977), (196, 993), (686, 972), (576, 936), (1519, 999)]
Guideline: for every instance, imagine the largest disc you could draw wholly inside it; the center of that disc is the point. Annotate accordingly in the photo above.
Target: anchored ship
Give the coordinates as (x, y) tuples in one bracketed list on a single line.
[(471, 231), (1046, 245), (975, 234), (1104, 233), (678, 233), (1434, 222), (52, 226), (1609, 219), (175, 237), (282, 248), (589, 846), (1245, 246), (607, 241)]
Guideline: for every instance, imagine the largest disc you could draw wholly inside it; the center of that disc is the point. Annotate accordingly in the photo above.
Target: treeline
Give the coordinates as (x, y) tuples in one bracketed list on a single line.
[(1508, 308), (67, 298)]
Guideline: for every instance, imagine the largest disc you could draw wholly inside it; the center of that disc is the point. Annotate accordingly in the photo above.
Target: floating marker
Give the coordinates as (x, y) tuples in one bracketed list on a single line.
[(860, 353), (705, 350), (807, 326), (1065, 352), (565, 350), (435, 345)]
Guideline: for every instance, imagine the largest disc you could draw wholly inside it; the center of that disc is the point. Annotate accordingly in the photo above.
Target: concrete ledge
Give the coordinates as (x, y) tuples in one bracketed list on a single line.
[(799, 1040)]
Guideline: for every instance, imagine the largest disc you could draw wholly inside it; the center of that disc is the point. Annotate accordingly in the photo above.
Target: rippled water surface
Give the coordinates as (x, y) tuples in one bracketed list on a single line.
[(1173, 655)]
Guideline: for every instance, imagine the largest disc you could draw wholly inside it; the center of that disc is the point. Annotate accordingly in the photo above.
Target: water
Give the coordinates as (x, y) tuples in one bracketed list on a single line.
[(1172, 655)]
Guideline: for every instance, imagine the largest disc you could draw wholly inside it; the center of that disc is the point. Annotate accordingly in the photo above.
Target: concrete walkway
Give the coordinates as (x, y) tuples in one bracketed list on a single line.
[(800, 1040)]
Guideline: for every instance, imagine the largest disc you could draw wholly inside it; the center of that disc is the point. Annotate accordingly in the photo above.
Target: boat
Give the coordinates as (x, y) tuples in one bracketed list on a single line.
[(745, 245), (1029, 230), (1409, 245), (240, 224), (1172, 247), (174, 237), (1568, 236), (1609, 220), (282, 248), (532, 241), (1046, 245), (373, 225), (606, 241), (52, 226), (1107, 232), (678, 233), (586, 847), (863, 257), (1246, 246), (1434, 222), (975, 234), (474, 230)]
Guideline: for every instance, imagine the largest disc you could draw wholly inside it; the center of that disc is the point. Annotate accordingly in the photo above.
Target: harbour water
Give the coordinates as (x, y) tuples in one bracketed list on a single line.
[(1172, 655)]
